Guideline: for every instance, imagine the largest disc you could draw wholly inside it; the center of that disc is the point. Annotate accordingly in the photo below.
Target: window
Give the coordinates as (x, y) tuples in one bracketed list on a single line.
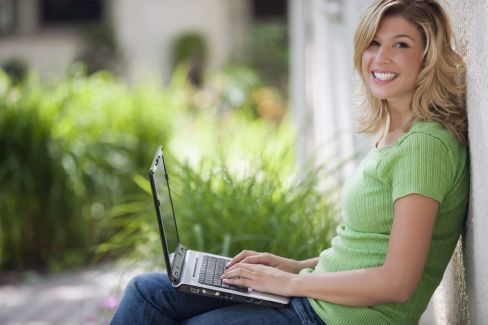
[(63, 12), (269, 9), (7, 16)]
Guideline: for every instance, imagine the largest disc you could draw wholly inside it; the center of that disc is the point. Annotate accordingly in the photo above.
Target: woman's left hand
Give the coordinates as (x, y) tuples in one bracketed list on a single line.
[(261, 278)]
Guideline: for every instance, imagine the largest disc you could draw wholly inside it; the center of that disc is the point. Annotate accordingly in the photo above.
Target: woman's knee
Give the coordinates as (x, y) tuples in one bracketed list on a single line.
[(147, 284), (144, 300)]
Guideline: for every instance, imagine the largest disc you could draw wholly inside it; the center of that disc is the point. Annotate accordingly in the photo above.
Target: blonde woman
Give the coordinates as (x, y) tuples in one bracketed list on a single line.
[(403, 209)]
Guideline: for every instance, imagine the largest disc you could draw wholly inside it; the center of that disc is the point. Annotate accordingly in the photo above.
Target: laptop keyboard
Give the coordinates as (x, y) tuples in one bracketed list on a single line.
[(211, 271)]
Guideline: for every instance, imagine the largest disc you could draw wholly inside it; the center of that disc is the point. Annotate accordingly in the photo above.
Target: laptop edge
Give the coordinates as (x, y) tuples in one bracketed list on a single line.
[(184, 264)]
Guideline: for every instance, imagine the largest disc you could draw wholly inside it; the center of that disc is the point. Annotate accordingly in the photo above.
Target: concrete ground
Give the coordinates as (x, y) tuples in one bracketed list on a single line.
[(87, 296)]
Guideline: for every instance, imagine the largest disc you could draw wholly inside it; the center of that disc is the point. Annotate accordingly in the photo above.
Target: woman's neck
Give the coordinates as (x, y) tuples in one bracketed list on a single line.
[(398, 115)]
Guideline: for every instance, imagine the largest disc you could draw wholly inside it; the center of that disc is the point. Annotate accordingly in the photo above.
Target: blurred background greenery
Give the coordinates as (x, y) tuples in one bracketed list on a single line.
[(74, 156)]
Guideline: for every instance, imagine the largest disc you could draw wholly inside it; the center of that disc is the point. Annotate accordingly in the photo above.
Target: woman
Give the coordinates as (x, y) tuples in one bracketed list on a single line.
[(403, 209)]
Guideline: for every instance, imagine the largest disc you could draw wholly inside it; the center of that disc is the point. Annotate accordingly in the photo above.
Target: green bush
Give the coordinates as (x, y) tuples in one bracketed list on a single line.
[(67, 155), (190, 48), (243, 193), (266, 51), (38, 197), (223, 211), (16, 69), (71, 156), (100, 51)]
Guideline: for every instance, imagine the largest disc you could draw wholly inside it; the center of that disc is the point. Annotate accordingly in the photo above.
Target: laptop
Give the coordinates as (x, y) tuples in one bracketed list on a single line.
[(192, 271)]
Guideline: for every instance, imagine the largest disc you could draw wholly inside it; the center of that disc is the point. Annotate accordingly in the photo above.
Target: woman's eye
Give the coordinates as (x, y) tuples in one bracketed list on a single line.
[(401, 45), (374, 43)]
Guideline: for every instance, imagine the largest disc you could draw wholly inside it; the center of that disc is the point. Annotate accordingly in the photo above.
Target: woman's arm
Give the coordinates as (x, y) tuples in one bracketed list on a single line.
[(395, 281), (278, 262)]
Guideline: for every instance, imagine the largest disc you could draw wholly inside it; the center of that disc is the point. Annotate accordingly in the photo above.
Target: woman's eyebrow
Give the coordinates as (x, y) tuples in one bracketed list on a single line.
[(396, 36), (404, 35)]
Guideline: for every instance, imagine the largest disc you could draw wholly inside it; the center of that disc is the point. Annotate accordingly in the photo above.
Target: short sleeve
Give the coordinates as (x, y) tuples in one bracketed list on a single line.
[(424, 166)]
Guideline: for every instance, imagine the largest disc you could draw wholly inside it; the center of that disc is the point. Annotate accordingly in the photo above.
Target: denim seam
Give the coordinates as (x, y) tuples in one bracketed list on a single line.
[(302, 314)]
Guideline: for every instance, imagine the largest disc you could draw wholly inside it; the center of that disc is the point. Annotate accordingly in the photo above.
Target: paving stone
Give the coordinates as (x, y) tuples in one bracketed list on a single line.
[(85, 296)]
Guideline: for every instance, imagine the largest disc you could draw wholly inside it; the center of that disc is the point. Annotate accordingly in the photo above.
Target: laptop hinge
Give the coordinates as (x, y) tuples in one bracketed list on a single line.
[(178, 262)]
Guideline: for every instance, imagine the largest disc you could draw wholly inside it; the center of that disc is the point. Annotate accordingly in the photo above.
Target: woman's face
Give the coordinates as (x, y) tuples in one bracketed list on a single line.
[(393, 60)]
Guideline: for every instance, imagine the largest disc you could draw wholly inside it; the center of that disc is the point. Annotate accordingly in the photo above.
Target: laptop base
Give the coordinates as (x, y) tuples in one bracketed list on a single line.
[(185, 288)]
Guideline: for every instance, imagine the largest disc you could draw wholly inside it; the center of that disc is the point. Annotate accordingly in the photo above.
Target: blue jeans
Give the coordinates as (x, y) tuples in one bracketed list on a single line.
[(151, 299)]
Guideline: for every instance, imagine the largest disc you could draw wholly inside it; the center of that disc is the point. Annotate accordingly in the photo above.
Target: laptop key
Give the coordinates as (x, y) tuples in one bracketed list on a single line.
[(241, 289), (225, 285), (211, 271)]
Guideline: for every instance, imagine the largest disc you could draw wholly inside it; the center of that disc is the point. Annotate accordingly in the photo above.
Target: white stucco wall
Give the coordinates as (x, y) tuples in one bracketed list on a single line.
[(49, 53), (145, 30), (463, 293), (471, 15)]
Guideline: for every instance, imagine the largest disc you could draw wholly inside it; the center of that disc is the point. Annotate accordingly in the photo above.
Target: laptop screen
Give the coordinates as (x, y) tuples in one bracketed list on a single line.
[(164, 204)]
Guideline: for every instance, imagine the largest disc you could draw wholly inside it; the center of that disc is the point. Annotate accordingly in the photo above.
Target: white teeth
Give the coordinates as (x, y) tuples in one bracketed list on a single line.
[(384, 76)]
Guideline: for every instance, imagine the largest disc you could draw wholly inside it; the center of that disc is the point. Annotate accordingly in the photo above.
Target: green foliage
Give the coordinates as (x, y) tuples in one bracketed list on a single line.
[(242, 194), (240, 88), (100, 51), (266, 51), (236, 84), (37, 195), (224, 211), (72, 156), (68, 154), (16, 69), (189, 47)]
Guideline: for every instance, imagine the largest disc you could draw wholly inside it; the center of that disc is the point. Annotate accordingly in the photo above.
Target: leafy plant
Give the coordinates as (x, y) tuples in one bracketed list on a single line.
[(68, 154), (189, 46), (266, 51), (224, 211), (16, 69), (71, 156), (190, 49), (38, 198)]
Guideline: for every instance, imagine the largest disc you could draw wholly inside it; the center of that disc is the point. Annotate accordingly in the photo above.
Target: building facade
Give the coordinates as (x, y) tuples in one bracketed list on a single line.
[(48, 35)]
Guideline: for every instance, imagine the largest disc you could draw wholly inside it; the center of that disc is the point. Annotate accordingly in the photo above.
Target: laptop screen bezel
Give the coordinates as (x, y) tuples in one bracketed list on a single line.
[(173, 270)]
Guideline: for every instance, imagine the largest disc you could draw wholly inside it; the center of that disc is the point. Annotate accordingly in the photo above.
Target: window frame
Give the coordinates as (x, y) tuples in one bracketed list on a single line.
[(11, 25)]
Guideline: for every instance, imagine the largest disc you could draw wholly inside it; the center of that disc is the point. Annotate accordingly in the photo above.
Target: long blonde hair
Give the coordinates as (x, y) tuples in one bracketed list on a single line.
[(440, 91)]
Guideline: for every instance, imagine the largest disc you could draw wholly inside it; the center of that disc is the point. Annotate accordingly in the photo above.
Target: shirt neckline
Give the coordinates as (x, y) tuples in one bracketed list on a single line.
[(397, 141)]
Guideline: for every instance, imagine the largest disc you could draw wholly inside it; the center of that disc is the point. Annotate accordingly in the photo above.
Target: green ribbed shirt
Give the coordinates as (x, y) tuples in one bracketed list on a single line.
[(426, 160)]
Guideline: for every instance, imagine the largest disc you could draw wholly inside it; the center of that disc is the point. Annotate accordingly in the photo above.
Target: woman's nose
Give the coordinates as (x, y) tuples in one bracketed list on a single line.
[(383, 55)]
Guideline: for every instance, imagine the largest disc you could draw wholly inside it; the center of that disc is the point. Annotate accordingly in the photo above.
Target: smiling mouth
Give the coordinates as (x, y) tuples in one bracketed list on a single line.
[(384, 76)]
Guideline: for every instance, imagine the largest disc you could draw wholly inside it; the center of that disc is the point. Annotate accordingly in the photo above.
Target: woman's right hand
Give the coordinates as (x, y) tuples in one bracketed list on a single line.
[(282, 263)]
